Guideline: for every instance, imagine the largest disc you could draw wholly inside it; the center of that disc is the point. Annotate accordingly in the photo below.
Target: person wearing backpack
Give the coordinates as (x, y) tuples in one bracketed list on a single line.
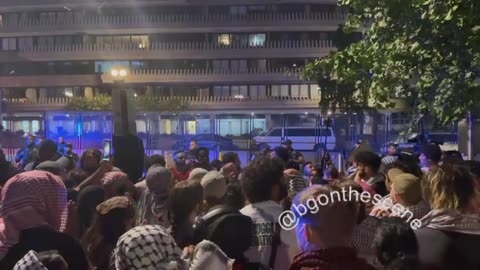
[(222, 225)]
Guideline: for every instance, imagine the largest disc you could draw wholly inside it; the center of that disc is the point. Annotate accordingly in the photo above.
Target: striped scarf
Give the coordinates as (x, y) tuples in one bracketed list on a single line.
[(30, 200)]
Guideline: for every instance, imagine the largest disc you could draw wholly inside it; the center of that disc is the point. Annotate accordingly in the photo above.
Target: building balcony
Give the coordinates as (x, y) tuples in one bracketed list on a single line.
[(49, 81), (177, 50), (195, 103), (158, 77), (203, 76), (114, 25)]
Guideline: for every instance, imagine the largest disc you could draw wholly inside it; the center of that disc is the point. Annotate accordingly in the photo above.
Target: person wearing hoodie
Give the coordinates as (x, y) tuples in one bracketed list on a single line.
[(327, 232), (153, 205), (449, 237)]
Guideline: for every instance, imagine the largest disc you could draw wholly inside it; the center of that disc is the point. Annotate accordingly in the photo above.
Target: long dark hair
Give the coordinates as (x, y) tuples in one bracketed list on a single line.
[(396, 245), (101, 238), (184, 198)]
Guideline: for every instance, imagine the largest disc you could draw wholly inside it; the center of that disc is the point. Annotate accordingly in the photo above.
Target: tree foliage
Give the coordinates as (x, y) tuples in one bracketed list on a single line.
[(142, 103), (425, 51)]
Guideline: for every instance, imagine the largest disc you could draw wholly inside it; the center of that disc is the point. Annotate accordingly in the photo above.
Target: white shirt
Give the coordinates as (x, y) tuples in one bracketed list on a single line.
[(264, 215)]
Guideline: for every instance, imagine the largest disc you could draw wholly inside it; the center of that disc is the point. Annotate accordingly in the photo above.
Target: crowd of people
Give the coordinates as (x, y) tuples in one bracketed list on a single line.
[(59, 211)]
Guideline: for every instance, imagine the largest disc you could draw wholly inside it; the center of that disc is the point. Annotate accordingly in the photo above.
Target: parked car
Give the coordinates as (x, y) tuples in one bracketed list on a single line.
[(210, 141), (303, 138)]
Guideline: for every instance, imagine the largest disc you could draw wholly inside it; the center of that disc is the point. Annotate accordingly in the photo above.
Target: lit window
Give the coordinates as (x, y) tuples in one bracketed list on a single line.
[(256, 39), (224, 39)]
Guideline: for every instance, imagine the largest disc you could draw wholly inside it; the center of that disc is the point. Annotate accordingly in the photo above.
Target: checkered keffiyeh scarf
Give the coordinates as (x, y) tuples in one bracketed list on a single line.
[(30, 262), (30, 200), (148, 247)]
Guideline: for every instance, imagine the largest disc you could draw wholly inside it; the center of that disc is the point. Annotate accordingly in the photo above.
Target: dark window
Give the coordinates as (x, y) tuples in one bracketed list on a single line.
[(306, 132)]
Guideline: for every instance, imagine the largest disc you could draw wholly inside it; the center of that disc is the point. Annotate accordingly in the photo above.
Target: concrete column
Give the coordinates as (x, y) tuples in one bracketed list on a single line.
[(88, 92), (42, 93), (31, 94), (213, 123), (123, 107)]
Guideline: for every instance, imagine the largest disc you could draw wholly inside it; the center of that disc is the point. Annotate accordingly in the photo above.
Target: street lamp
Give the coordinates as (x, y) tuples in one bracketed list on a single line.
[(119, 74)]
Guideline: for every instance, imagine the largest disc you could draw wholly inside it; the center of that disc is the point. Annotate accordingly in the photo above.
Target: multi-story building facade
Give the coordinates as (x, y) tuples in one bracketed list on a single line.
[(235, 62)]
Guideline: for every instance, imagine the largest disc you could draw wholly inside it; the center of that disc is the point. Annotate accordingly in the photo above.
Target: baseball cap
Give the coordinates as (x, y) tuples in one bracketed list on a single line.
[(214, 185), (197, 174), (159, 180), (406, 185)]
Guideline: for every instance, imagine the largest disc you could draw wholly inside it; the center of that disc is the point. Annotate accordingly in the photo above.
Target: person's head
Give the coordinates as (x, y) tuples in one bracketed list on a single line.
[(234, 196), (156, 160), (180, 158), (203, 156), (193, 145), (232, 157), (47, 150), (50, 259), (430, 155), (288, 144), (368, 163), (309, 169), (392, 149), (159, 181), (405, 188), (408, 163), (30, 139), (54, 167), (396, 245), (147, 247), (216, 164), (449, 187), (214, 188), (197, 174), (69, 147), (262, 180), (185, 202), (453, 157), (328, 221), (61, 140), (90, 160), (114, 217), (32, 199), (281, 153), (116, 184)]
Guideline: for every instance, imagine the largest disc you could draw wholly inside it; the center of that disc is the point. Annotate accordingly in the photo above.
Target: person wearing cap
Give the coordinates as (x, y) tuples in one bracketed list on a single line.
[(405, 190), (219, 221), (197, 174), (430, 157), (214, 189)]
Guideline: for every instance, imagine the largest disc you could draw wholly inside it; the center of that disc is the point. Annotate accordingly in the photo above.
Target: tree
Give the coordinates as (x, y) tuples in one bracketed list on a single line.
[(424, 51), (142, 104)]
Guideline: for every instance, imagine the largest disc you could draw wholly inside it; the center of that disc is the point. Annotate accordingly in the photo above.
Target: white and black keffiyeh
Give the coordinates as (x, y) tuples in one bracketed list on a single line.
[(148, 247), (30, 262)]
